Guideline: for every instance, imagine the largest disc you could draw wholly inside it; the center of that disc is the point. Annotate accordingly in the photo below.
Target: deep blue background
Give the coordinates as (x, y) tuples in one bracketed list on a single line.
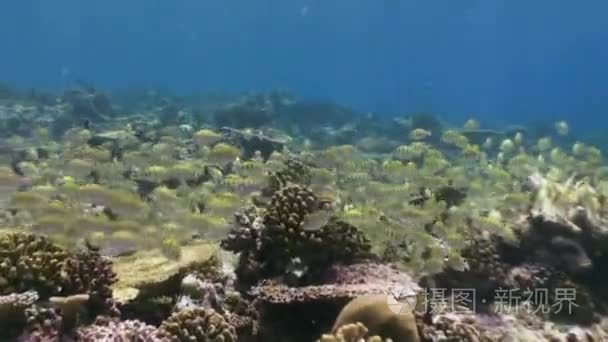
[(507, 60)]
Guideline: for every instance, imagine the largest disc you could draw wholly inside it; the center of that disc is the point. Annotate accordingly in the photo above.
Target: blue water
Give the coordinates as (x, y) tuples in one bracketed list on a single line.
[(503, 61)]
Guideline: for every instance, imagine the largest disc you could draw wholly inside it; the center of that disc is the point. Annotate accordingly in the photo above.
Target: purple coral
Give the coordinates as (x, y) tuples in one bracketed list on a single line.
[(118, 331)]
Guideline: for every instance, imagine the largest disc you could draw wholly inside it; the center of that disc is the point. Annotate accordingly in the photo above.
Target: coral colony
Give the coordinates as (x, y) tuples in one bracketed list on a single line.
[(264, 218)]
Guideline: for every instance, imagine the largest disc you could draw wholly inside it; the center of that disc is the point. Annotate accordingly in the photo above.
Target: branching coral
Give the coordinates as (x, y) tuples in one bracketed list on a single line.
[(90, 272), (484, 259), (284, 243), (43, 324), (446, 327), (118, 331), (12, 310), (294, 172), (31, 262), (197, 325)]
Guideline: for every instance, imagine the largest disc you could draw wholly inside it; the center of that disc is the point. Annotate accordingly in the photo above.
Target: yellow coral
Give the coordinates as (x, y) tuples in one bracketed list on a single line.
[(206, 137), (28, 200), (223, 153), (374, 313), (119, 202), (471, 124), (452, 137), (419, 134), (544, 144)]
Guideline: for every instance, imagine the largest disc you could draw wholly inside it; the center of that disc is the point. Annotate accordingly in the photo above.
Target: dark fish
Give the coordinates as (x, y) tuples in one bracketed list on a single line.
[(87, 124)]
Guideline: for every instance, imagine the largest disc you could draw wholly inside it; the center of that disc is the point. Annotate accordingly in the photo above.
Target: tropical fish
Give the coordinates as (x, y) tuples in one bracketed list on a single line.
[(419, 134)]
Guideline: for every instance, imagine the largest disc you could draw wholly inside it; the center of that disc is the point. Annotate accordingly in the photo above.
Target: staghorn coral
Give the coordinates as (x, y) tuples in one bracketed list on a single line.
[(197, 324), (355, 332)]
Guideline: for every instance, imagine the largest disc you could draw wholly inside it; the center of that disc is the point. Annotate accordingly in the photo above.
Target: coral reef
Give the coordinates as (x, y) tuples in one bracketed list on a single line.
[(376, 315), (111, 224), (340, 282), (43, 324), (285, 245), (31, 262), (249, 111), (13, 311), (120, 331), (250, 143), (351, 333), (198, 324)]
